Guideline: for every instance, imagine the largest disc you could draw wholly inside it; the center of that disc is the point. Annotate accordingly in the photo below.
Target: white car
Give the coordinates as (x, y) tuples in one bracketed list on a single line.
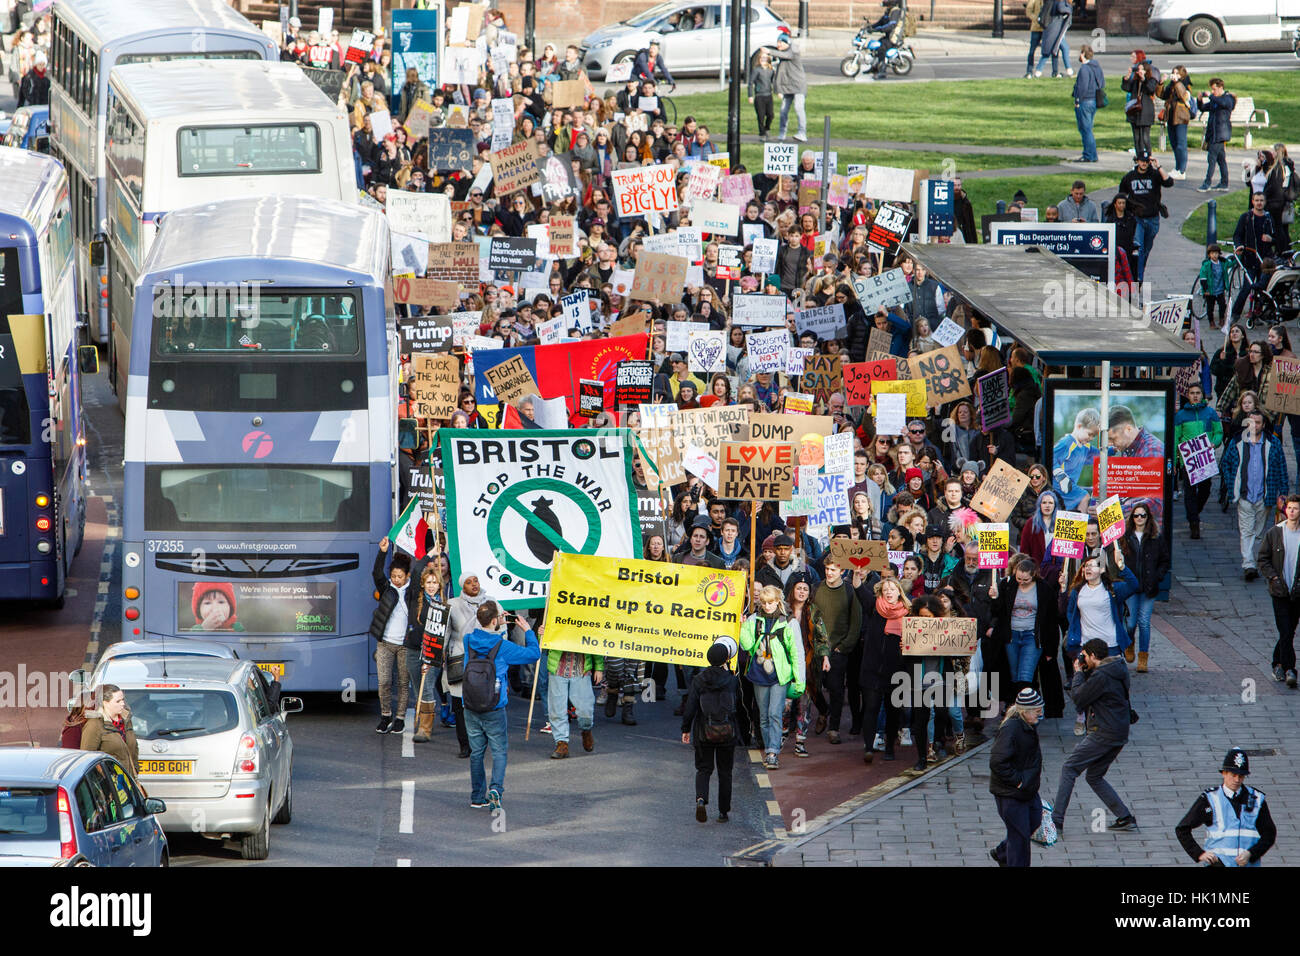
[(174, 649), (214, 744), (697, 49)]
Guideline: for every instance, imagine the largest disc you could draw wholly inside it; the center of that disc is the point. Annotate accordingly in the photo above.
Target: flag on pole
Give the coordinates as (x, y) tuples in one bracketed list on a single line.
[(410, 530)]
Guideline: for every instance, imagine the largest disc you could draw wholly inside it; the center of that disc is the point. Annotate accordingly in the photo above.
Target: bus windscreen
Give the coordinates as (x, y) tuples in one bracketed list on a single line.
[(245, 150), (265, 498), (248, 319)]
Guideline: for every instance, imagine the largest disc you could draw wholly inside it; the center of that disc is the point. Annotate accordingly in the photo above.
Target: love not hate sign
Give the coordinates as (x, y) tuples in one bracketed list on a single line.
[(645, 190), (757, 471)]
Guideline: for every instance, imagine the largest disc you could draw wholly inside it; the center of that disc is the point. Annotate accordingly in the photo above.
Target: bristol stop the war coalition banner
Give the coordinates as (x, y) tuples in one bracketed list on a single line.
[(644, 610), (515, 499)]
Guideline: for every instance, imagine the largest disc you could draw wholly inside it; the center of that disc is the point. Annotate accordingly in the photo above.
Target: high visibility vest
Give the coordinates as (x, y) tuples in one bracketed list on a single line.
[(1229, 834)]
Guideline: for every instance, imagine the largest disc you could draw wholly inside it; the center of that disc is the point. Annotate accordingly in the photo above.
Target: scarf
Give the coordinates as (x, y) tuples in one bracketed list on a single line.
[(119, 725), (893, 615)]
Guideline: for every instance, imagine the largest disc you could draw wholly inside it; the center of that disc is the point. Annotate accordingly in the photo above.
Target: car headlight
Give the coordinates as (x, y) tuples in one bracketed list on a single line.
[(601, 44)]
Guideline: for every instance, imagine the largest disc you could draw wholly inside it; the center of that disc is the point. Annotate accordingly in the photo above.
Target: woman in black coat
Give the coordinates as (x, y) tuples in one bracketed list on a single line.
[(1147, 553), (1140, 110), (1015, 769)]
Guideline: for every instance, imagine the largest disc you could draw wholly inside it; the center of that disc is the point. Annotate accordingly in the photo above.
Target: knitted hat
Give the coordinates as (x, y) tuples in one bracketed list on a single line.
[(769, 543), (718, 655), (913, 473), (203, 589), (1029, 698)]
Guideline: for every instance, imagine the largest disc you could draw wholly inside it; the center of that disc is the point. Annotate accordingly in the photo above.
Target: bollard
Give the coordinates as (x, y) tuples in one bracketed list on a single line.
[(997, 19), (1002, 207), (1212, 221)]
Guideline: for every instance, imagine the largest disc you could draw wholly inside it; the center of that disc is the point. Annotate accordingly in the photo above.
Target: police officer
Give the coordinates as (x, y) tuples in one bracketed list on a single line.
[(1240, 829)]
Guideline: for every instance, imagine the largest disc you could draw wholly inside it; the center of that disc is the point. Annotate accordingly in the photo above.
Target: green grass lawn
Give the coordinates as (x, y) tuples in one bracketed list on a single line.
[(1230, 207), (1035, 114), (752, 153), (1041, 191)]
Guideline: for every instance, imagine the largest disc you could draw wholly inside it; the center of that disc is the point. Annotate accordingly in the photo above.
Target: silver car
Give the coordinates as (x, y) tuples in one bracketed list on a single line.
[(214, 744), (174, 649), (75, 808), (690, 35)]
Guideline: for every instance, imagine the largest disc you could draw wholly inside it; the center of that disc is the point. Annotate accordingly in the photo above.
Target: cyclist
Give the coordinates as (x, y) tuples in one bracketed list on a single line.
[(649, 61), (1253, 239)]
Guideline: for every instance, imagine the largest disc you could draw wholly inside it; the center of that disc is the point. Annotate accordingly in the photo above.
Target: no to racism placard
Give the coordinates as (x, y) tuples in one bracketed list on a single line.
[(515, 499), (939, 636), (641, 610)]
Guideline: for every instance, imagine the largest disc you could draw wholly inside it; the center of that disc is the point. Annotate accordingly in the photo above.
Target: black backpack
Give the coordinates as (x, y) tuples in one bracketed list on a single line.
[(718, 709), (480, 689)]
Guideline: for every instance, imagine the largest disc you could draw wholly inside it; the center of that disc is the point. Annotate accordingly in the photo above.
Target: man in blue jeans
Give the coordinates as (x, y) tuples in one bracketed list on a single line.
[(1218, 105), (1088, 85), (488, 728), (1143, 183)]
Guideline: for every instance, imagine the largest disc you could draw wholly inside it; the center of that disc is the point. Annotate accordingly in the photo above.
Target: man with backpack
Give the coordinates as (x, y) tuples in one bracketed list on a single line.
[(709, 717), (485, 690)]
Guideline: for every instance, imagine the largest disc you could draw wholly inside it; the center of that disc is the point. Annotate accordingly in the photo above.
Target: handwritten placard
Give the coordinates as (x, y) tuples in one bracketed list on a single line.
[(939, 636)]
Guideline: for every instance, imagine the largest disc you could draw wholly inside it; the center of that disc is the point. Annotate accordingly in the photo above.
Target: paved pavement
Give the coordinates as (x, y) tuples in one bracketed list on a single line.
[(1209, 689)]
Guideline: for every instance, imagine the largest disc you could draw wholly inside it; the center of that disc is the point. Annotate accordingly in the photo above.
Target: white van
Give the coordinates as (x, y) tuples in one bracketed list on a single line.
[(1202, 26)]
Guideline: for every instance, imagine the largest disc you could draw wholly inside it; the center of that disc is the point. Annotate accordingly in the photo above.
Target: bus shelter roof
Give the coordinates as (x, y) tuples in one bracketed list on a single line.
[(1050, 307)]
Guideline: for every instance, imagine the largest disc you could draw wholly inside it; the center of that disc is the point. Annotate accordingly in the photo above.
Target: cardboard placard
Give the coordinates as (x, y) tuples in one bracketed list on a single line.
[(879, 340), (1283, 395), (426, 292), (515, 167), (859, 555), (858, 377), (631, 324), (789, 429), (709, 427), (566, 94), (562, 241), (511, 380), (939, 636), (454, 261), (434, 388), (658, 277), (821, 376), (756, 471), (1000, 491), (944, 375), (914, 389), (660, 446), (418, 120)]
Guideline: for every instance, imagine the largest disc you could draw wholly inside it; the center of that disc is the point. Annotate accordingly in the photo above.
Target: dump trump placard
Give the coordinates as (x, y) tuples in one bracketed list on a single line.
[(643, 610)]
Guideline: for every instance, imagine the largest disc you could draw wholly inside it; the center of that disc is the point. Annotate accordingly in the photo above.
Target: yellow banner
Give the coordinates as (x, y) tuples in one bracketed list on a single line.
[(914, 389), (644, 610)]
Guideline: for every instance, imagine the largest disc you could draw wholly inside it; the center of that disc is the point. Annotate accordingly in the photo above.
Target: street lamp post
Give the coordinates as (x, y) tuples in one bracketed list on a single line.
[(733, 93)]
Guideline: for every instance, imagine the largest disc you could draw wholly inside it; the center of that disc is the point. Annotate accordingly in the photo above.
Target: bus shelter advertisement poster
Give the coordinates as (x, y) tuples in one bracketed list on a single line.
[(258, 607), (1139, 432)]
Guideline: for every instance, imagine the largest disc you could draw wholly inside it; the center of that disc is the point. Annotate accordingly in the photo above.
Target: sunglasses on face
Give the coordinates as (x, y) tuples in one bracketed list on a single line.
[(1139, 514)]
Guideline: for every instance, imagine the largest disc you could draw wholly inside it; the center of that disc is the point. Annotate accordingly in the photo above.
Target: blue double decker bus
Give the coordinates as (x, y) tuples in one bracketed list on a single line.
[(260, 465), (42, 442)]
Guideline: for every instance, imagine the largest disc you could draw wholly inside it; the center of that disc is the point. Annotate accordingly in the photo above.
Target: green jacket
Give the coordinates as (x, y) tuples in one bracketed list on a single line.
[(592, 662), (787, 652), (1193, 420)]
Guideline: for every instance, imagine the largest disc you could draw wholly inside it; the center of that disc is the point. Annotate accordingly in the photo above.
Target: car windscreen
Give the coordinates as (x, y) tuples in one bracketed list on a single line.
[(27, 814), (658, 10), (181, 713)]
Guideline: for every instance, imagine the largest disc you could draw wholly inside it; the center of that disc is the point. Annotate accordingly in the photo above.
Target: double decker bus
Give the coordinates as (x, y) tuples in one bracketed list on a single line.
[(261, 464), (42, 442), (87, 39), (181, 133)]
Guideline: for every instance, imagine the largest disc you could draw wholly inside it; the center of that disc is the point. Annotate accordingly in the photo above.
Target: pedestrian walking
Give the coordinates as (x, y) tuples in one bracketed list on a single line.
[(1055, 18), (1218, 104), (1239, 827), (1015, 769), (709, 721), (488, 658), (1033, 10), (1196, 417), (109, 729), (424, 661), (791, 85), (1143, 184), (1277, 563), (1254, 470), (772, 640), (1089, 96), (762, 80), (1101, 685), (570, 675), (1145, 549)]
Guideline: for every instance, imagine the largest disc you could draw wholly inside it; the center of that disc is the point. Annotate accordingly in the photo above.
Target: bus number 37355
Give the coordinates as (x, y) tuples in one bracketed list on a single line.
[(165, 547)]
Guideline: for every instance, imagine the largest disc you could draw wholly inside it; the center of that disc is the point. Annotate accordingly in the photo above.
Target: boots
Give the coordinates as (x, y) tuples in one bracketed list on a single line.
[(561, 750), (627, 712), (1142, 662), (424, 716), (1128, 653), (1196, 530), (611, 703)]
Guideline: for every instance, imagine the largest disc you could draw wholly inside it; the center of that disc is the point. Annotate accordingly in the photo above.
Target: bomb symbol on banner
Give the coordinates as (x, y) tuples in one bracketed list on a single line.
[(541, 547)]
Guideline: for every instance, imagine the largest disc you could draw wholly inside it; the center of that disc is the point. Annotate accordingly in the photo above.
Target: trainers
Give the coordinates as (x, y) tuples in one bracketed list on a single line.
[(800, 750), (494, 798), (905, 738), (1124, 823), (1291, 679), (478, 804), (1038, 72), (1029, 75), (398, 726), (385, 724), (701, 814), (833, 737), (879, 743), (1203, 188), (1079, 727), (723, 817), (772, 763), (1069, 71), (801, 137), (546, 728)]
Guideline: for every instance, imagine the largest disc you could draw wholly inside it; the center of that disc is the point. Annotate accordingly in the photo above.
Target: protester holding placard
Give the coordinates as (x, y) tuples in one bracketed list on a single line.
[(1024, 612), (1036, 536), (1145, 550)]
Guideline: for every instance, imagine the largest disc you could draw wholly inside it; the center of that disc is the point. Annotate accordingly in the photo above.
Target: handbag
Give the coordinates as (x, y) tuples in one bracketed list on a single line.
[(1102, 99), (455, 669), (1288, 214), (1046, 834)]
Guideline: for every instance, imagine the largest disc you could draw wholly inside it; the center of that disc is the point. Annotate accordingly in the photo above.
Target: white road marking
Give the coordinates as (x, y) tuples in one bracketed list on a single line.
[(406, 824), (402, 861), (408, 738)]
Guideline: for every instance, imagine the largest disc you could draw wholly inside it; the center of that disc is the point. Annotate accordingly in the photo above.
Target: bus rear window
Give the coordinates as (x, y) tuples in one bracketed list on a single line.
[(247, 150), (11, 287), (247, 319), (258, 498)]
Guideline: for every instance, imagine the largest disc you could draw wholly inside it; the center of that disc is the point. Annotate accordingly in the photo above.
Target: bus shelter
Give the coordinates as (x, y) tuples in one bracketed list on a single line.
[(1101, 435)]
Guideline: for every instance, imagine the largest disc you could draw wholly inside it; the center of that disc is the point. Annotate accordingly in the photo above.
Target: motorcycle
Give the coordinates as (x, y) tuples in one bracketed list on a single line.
[(866, 55)]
